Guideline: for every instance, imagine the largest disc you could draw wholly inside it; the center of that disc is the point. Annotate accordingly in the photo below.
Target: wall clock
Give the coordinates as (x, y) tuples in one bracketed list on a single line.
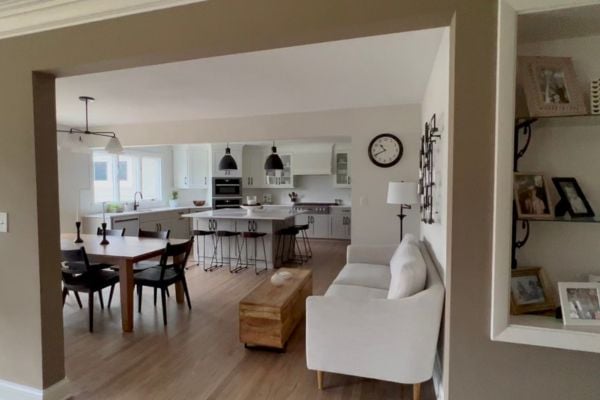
[(385, 150)]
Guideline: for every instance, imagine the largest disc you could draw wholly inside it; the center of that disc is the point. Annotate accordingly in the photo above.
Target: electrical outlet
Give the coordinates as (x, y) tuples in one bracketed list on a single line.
[(3, 222)]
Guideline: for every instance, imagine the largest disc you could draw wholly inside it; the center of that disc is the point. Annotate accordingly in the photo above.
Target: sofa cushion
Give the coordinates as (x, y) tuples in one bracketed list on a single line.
[(355, 292), (367, 275), (408, 271)]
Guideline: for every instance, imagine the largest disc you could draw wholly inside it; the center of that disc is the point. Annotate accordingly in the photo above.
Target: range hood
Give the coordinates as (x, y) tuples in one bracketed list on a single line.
[(313, 160)]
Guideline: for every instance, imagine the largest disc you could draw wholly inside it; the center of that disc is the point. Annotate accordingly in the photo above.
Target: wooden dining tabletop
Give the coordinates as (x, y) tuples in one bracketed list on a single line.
[(123, 252)]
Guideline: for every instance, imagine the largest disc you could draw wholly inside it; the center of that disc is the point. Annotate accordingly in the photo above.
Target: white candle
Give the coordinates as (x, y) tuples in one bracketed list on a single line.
[(77, 210)]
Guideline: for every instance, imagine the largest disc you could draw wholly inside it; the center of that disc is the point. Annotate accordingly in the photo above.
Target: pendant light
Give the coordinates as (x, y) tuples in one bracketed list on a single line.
[(75, 141), (227, 162), (273, 162)]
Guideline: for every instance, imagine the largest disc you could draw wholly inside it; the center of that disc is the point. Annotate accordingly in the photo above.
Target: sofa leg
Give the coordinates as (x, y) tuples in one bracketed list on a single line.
[(320, 379), (417, 391)]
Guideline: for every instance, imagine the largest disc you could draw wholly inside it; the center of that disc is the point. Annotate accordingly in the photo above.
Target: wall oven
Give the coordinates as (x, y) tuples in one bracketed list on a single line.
[(226, 202), (227, 187)]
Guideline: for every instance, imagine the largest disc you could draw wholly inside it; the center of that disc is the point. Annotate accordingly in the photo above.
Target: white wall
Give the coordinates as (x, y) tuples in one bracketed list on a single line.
[(436, 101), (374, 221), (566, 147)]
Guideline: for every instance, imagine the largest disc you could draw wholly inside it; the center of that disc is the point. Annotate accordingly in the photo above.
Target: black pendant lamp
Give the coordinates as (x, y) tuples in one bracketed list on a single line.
[(273, 162), (227, 162)]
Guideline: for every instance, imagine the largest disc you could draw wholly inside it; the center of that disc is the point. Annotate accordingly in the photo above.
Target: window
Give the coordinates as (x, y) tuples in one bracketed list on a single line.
[(133, 172)]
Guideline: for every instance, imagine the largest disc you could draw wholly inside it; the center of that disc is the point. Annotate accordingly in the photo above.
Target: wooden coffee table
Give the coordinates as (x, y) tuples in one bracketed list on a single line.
[(269, 314)]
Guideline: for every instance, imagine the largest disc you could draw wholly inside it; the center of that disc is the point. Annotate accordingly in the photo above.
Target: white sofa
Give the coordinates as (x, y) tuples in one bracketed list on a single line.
[(354, 329)]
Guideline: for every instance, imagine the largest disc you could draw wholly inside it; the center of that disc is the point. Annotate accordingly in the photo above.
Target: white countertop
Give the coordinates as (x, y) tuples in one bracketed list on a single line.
[(273, 214), (148, 211)]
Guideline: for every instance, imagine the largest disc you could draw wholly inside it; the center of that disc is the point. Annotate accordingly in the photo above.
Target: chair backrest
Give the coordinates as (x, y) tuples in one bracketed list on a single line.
[(75, 261), (112, 232), (154, 234), (179, 252)]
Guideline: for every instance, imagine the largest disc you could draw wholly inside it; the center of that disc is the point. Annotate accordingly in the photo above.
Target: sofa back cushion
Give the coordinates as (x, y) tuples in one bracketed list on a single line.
[(408, 271)]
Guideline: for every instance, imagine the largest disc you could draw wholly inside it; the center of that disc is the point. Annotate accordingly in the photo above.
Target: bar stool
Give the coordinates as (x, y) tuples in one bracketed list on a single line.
[(204, 234), (214, 261), (252, 261), (305, 241), (285, 233)]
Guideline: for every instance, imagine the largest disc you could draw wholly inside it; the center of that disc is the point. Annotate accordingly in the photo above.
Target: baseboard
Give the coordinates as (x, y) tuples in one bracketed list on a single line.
[(438, 373), (15, 391)]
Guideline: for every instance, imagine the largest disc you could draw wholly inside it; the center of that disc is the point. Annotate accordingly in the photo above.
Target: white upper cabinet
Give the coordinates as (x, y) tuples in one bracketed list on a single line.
[(283, 179), (218, 151), (343, 166), (191, 166), (254, 175), (313, 159)]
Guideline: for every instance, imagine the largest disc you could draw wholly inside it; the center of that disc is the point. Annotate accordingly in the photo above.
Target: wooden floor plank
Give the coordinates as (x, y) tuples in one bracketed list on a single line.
[(198, 354)]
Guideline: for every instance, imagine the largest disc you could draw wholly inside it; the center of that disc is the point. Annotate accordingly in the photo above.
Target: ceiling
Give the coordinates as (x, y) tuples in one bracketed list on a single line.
[(559, 24), (365, 72)]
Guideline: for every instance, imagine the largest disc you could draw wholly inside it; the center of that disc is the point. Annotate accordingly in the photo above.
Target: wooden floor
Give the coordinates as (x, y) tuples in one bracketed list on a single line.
[(198, 355)]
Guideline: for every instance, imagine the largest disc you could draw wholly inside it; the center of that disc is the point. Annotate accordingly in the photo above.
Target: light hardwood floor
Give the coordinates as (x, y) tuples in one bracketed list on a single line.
[(198, 355)]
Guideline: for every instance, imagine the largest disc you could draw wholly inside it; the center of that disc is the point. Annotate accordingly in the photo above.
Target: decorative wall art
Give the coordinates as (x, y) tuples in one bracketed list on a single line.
[(426, 171), (572, 199), (580, 303), (595, 97), (529, 291), (532, 196)]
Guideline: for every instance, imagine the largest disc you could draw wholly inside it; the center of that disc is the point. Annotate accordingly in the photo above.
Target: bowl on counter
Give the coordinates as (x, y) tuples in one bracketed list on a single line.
[(199, 203)]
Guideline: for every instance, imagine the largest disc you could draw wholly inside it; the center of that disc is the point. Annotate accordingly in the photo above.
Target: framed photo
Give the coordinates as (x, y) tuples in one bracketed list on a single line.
[(550, 86), (529, 291), (572, 197), (580, 302), (532, 196)]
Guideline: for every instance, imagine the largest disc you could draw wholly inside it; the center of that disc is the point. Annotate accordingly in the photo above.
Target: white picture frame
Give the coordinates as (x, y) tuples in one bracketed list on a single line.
[(580, 303)]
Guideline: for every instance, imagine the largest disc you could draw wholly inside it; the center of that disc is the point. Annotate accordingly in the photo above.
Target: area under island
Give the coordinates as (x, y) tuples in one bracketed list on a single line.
[(269, 221)]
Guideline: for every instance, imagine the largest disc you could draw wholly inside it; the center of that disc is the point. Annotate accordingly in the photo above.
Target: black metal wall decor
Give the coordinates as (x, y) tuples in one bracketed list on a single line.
[(426, 182)]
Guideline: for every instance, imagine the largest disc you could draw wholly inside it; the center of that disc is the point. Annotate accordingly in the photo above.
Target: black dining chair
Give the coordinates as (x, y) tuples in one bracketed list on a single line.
[(112, 232), (87, 279), (164, 275), (144, 265)]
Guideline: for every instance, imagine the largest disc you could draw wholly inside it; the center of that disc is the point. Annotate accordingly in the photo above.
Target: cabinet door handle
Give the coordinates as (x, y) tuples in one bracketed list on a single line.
[(185, 180), (205, 180)]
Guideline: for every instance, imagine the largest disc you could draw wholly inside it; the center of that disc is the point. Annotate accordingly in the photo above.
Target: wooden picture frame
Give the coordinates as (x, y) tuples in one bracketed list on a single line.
[(580, 303), (532, 196), (530, 291), (572, 198), (550, 86)]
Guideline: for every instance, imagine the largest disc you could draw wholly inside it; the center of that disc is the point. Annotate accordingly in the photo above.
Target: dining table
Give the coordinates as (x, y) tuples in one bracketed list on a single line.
[(122, 252)]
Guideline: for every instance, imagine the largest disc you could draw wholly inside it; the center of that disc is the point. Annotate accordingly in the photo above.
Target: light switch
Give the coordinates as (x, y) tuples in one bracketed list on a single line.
[(3, 222), (364, 201)]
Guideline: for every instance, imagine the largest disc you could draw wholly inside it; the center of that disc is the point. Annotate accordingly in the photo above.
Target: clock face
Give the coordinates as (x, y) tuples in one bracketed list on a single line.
[(385, 150)]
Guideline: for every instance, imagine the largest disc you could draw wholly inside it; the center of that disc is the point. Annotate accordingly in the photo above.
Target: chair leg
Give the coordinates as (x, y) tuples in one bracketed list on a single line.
[(91, 309), (65, 293), (417, 391), (320, 380), (168, 294), (78, 299), (139, 293), (101, 299), (155, 292), (164, 305), (110, 296), (186, 292)]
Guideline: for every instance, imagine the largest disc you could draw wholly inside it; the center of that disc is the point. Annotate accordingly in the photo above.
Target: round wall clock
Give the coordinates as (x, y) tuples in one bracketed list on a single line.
[(385, 150)]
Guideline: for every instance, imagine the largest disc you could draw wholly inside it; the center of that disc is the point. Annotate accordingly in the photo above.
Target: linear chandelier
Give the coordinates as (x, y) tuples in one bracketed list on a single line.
[(112, 147)]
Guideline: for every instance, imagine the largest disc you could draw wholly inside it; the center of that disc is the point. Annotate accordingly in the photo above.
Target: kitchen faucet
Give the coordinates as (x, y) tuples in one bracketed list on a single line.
[(136, 204)]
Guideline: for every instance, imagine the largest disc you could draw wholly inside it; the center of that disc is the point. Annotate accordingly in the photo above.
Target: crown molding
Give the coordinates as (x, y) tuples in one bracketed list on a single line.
[(21, 17)]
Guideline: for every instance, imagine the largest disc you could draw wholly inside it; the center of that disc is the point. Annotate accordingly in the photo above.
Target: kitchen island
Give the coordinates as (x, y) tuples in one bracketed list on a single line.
[(268, 220)]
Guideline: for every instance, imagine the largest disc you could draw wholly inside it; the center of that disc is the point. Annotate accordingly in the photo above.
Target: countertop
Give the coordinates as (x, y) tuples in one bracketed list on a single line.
[(231, 213), (147, 211)]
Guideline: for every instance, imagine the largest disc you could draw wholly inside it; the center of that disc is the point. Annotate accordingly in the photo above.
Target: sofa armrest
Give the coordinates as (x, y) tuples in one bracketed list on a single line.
[(393, 340), (370, 254)]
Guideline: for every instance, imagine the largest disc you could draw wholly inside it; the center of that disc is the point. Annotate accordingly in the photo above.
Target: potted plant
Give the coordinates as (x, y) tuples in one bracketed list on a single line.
[(173, 200)]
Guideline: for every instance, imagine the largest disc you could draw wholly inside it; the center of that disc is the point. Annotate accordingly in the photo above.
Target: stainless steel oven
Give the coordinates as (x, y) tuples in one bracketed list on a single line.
[(225, 187), (226, 202)]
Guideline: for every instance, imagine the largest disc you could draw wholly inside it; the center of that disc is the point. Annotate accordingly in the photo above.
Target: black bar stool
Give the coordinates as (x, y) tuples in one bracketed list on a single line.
[(289, 235), (204, 234), (252, 261), (221, 235), (305, 241)]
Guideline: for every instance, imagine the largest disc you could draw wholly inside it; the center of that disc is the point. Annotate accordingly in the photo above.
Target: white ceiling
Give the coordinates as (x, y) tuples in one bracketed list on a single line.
[(560, 24), (365, 72)]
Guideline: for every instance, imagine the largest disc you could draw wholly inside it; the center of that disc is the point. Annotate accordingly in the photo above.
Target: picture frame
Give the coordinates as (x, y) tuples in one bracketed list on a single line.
[(580, 302), (550, 86), (532, 196), (572, 198), (530, 291)]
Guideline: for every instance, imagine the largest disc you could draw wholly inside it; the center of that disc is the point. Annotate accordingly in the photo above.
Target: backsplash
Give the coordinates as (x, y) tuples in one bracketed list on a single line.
[(310, 188)]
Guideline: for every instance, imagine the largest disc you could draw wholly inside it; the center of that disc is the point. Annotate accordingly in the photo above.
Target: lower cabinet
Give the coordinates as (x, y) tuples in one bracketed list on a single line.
[(170, 220), (318, 225), (341, 224)]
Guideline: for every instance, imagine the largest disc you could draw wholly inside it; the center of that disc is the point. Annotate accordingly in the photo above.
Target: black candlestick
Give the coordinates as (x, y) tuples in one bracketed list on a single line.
[(401, 216), (104, 242), (79, 239)]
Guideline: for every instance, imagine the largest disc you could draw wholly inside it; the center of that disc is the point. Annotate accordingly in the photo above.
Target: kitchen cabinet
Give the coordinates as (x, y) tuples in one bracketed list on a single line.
[(341, 223), (131, 224), (168, 220), (254, 166), (191, 166), (318, 225), (343, 167), (218, 151), (281, 178)]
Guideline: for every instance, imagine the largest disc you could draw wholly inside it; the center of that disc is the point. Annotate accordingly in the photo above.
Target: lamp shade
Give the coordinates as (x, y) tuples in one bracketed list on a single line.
[(227, 162), (114, 146), (402, 193), (273, 162)]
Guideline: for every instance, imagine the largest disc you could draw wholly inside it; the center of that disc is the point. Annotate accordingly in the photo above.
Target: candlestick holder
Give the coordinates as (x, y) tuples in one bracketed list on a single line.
[(104, 242), (79, 239)]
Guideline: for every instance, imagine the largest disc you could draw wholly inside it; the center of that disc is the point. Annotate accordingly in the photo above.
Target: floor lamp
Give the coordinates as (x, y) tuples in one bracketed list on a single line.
[(405, 194)]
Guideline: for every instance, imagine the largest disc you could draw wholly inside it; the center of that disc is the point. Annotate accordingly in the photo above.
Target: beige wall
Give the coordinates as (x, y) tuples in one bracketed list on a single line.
[(477, 368)]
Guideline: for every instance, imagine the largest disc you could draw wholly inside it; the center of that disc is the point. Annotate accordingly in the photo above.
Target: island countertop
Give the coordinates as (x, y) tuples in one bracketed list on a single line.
[(240, 214)]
